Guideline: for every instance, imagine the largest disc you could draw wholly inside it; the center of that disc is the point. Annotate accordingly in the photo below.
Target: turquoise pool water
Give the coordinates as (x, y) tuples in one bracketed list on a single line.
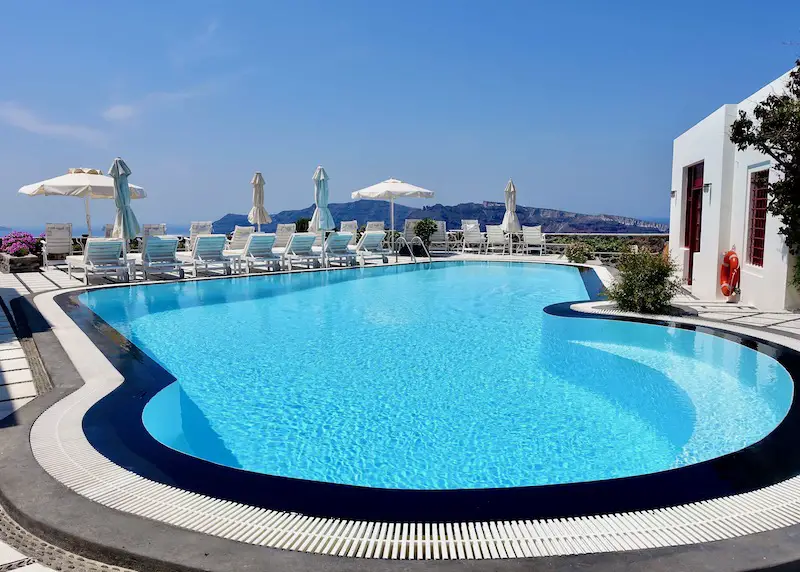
[(442, 377)]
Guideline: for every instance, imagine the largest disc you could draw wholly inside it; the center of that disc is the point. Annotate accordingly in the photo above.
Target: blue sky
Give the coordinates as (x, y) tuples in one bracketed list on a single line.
[(578, 101)]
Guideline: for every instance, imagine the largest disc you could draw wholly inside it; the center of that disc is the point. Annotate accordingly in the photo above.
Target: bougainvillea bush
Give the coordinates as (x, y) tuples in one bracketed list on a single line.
[(19, 243)]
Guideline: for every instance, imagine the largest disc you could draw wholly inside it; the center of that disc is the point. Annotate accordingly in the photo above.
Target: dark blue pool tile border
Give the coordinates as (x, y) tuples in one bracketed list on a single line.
[(114, 427)]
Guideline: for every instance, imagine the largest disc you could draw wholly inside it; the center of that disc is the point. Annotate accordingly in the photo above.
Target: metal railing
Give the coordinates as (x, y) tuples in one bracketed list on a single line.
[(400, 240)]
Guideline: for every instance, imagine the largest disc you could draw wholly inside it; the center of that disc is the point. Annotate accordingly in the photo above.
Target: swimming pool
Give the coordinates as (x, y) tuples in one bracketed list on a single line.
[(440, 377)]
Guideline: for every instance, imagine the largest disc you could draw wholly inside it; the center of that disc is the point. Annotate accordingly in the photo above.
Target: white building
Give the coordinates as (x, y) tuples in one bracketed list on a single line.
[(718, 202)]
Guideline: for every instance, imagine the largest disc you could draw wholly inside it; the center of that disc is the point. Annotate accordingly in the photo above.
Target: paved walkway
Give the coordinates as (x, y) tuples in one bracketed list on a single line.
[(782, 321), (24, 283), (16, 381), (16, 389)]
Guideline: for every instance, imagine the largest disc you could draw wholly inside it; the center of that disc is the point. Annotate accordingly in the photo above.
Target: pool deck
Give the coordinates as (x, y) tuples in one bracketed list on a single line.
[(136, 535)]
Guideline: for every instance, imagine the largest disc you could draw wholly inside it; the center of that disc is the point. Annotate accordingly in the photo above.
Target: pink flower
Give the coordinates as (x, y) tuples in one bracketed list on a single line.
[(18, 243)]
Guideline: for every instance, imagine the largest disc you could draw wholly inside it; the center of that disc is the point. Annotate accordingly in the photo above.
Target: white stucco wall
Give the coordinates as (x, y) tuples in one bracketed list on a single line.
[(706, 142), (726, 207)]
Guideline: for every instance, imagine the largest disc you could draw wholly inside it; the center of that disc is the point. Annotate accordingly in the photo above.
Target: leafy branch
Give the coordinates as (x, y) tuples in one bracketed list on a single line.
[(774, 129)]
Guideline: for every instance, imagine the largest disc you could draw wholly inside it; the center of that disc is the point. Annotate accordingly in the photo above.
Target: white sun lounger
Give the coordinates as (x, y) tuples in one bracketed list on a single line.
[(57, 242), (439, 237), (472, 236), (196, 229), (496, 238), (207, 253), (532, 239), (159, 254), (409, 231), (239, 238), (108, 230), (300, 248), (377, 226), (159, 229), (336, 249), (258, 252), (283, 233), (370, 247), (350, 226), (234, 248), (101, 256)]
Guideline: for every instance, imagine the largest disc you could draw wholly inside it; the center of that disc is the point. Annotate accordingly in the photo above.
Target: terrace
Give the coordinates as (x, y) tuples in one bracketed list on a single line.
[(67, 384)]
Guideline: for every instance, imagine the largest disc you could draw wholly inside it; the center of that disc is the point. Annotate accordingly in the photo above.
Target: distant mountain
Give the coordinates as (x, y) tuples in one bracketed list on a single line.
[(658, 219), (551, 220), (362, 211), (486, 213)]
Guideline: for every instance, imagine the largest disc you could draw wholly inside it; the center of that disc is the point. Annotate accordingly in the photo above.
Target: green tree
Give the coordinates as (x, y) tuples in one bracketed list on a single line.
[(774, 129)]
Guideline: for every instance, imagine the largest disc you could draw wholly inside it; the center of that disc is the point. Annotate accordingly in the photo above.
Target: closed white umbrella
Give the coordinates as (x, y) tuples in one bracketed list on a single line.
[(83, 183), (510, 219), (392, 189), (258, 214), (125, 224), (322, 219)]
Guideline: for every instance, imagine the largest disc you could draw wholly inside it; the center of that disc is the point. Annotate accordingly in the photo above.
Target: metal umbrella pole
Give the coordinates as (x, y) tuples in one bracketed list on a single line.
[(88, 217), (391, 215)]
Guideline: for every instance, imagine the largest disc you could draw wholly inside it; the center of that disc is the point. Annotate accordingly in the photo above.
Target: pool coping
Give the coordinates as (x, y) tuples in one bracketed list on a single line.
[(483, 539), (114, 427)]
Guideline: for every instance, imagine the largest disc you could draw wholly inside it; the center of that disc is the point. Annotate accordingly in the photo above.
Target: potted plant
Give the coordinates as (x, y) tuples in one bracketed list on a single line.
[(20, 252), (424, 229)]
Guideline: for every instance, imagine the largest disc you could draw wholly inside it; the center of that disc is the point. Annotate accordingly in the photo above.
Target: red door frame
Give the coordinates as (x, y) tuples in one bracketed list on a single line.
[(694, 214)]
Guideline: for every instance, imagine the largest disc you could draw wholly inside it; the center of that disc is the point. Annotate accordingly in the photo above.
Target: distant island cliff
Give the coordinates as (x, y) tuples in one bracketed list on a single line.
[(486, 213)]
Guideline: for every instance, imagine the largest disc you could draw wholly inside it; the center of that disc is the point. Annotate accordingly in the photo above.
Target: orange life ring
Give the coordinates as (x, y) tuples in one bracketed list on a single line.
[(729, 273)]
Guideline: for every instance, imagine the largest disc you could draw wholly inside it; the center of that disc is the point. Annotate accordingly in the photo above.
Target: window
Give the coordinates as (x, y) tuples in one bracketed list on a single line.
[(758, 217)]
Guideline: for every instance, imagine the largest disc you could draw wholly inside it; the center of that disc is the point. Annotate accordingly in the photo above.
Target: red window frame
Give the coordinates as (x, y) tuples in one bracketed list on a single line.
[(693, 205), (759, 184)]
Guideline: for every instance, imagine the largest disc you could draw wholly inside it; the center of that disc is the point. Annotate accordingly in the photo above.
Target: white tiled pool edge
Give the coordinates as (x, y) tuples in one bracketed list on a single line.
[(60, 446)]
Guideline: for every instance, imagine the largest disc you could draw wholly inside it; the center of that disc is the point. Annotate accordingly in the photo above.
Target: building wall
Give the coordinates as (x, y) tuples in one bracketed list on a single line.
[(792, 292), (726, 208), (706, 142)]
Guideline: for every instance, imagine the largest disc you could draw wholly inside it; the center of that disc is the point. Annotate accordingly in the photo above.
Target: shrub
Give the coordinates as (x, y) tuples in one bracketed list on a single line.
[(578, 252), (621, 243), (424, 229), (302, 224), (646, 283), (19, 243)]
